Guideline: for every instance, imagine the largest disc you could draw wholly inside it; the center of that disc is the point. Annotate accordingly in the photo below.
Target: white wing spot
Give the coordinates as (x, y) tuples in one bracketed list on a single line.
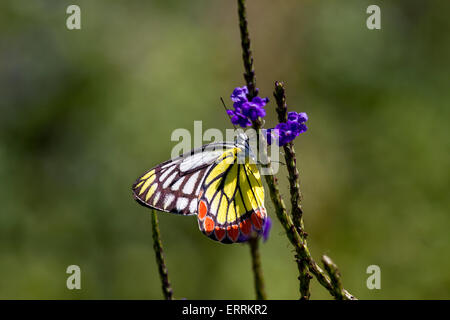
[(156, 198), (169, 164), (193, 206), (169, 180), (199, 159), (182, 203), (168, 200), (190, 184), (200, 184), (166, 173), (177, 184)]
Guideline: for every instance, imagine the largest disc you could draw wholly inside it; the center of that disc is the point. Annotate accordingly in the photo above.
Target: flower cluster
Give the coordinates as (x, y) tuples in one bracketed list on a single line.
[(246, 111), (288, 131)]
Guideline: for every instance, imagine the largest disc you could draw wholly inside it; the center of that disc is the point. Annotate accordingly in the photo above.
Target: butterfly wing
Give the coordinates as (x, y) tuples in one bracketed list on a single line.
[(174, 185), (231, 200)]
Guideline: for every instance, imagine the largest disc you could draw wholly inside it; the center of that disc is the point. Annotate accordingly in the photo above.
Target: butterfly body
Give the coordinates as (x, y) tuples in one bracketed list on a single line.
[(216, 182)]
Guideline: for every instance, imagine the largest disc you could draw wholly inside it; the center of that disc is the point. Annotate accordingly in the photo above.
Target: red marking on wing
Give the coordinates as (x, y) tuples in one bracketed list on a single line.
[(202, 210), (233, 233), (257, 220), (209, 225), (220, 233), (246, 227)]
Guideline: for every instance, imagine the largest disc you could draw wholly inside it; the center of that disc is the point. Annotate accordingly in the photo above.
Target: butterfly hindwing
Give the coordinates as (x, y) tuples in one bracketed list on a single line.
[(174, 185), (231, 200)]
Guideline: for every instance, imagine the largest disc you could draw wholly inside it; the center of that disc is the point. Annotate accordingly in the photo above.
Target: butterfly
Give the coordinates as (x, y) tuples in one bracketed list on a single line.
[(216, 182)]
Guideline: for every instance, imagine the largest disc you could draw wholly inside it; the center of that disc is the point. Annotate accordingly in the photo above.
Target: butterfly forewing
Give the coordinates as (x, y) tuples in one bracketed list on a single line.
[(174, 185)]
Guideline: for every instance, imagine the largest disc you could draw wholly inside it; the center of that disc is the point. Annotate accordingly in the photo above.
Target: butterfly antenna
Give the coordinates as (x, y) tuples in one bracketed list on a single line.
[(279, 162), (226, 109), (273, 161)]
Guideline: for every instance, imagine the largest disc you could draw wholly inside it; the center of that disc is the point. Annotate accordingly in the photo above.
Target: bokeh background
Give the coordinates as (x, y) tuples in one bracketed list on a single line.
[(84, 113)]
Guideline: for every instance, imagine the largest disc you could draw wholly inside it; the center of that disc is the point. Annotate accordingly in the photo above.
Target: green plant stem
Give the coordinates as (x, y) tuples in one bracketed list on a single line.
[(294, 188), (257, 270), (271, 180), (157, 246), (291, 162), (250, 79), (304, 258), (249, 73), (335, 277), (295, 235)]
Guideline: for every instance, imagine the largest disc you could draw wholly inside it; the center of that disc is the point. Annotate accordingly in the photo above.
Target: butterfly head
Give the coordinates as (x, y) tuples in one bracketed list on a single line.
[(242, 141)]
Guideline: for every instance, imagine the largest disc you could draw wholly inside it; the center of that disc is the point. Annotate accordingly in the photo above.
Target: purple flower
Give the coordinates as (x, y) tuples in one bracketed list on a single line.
[(297, 117), (253, 110), (237, 118), (270, 135), (266, 228), (239, 94), (246, 111), (302, 128), (260, 102), (288, 131)]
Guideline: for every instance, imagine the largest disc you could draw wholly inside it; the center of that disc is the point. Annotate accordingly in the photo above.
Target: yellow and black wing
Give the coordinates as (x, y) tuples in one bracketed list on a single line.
[(231, 200), (174, 185)]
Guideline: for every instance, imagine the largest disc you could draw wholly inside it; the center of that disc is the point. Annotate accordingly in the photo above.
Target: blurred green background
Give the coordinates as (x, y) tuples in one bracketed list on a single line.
[(83, 113)]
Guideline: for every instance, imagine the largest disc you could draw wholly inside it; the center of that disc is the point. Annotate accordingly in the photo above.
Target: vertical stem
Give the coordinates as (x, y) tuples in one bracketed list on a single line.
[(257, 271), (249, 73), (294, 229), (280, 208), (157, 246), (249, 76), (302, 257), (291, 161), (294, 188), (294, 232)]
